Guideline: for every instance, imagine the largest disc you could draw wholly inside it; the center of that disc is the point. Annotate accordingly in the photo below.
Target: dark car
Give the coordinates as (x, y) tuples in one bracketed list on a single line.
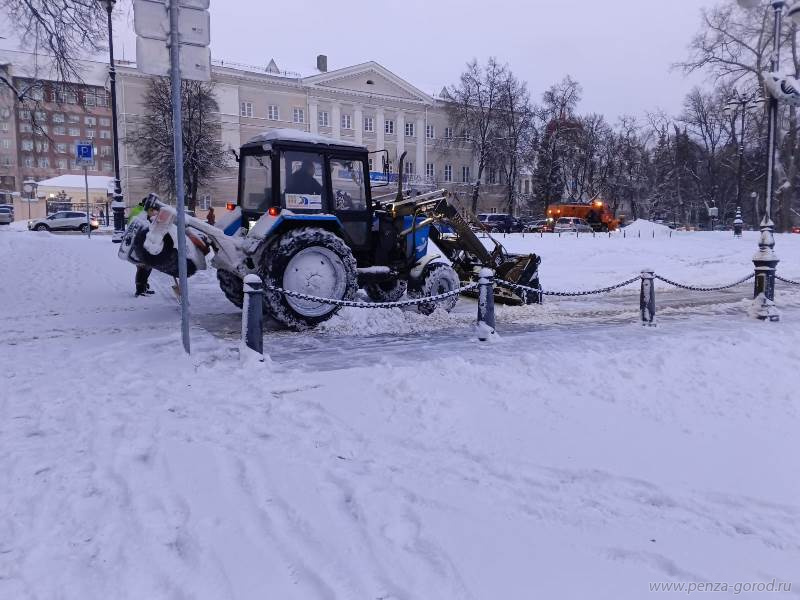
[(500, 222), (539, 226)]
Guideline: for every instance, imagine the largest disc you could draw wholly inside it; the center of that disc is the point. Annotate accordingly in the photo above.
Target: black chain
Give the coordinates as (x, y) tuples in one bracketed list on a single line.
[(784, 280), (696, 288), (604, 290), (357, 304)]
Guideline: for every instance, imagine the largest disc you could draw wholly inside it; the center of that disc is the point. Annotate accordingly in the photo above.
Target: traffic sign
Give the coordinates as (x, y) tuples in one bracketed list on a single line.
[(84, 153)]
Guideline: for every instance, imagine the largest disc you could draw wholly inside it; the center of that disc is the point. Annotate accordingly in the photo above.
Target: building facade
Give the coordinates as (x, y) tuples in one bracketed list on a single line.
[(365, 103)]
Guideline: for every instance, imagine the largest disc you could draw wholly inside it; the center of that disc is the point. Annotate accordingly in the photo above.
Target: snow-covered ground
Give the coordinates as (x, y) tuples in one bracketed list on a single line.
[(389, 455)]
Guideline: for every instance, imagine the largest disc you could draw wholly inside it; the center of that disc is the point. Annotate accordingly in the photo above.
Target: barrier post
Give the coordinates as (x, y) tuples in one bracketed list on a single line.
[(252, 319), (738, 222), (486, 321), (647, 298)]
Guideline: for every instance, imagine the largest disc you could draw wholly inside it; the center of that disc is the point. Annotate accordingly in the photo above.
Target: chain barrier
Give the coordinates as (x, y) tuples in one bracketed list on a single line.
[(784, 280), (604, 290), (695, 288), (358, 304)]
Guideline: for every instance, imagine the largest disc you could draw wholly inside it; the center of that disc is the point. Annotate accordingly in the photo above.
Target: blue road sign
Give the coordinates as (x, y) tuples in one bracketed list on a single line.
[(84, 154)]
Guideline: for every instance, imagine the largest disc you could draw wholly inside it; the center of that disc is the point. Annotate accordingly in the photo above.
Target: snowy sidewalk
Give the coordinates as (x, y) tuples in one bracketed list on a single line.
[(564, 462)]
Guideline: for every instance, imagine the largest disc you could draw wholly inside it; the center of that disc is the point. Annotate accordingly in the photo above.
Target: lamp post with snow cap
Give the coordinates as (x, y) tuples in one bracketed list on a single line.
[(29, 186), (783, 89), (737, 107), (118, 204)]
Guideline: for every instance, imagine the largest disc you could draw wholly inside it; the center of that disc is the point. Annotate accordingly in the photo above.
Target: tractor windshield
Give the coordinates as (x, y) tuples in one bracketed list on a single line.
[(302, 181), (347, 179), (257, 186)]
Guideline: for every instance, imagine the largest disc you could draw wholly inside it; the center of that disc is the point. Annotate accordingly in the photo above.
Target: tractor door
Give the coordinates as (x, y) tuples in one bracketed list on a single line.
[(350, 198)]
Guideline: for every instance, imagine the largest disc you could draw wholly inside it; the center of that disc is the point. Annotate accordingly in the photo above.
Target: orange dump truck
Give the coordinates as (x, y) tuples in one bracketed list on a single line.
[(596, 213)]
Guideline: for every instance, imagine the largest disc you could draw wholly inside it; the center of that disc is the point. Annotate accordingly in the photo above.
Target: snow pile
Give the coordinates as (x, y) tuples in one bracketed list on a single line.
[(645, 227), (449, 469)]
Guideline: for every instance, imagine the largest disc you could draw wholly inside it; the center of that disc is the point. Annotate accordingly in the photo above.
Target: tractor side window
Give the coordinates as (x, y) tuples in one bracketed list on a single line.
[(347, 180), (257, 189), (303, 187)]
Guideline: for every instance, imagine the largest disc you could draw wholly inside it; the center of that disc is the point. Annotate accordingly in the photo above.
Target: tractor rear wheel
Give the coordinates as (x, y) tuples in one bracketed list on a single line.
[(386, 291), (437, 278), (310, 261)]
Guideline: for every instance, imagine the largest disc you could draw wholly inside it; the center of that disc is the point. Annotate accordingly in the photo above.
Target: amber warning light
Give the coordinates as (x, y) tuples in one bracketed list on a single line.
[(230, 206), (273, 211)]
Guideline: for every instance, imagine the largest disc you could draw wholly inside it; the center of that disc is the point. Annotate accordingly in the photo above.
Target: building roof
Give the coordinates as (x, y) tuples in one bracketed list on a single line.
[(33, 66), (295, 135), (96, 182)]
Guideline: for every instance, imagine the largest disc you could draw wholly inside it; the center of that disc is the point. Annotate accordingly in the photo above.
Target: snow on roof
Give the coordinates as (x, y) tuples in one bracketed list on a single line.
[(77, 181), (295, 135), (40, 66)]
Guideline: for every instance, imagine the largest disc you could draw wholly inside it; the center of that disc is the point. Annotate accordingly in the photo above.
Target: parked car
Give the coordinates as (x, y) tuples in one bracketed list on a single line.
[(500, 222), (6, 216), (572, 225), (539, 226), (64, 221), (795, 229)]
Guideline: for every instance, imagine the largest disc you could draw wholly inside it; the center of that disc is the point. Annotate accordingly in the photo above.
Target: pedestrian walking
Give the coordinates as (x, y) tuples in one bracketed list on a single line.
[(211, 218), (142, 271)]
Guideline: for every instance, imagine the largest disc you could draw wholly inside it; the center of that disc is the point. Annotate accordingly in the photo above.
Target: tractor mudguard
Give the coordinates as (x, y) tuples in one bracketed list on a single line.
[(415, 274)]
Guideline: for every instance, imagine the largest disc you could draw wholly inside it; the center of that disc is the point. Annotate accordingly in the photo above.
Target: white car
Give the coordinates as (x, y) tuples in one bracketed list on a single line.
[(6, 215), (64, 221), (572, 225)]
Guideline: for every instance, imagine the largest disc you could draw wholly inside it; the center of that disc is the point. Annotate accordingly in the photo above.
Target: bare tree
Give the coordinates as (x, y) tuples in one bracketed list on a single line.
[(472, 111), (62, 30), (152, 140)]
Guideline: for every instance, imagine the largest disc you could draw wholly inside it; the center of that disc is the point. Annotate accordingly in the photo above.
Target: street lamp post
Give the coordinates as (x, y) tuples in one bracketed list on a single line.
[(29, 185), (738, 106), (765, 260), (118, 204)]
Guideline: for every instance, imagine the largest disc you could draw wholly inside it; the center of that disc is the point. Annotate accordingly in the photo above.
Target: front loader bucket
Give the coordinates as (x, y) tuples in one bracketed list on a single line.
[(521, 269), (132, 250)]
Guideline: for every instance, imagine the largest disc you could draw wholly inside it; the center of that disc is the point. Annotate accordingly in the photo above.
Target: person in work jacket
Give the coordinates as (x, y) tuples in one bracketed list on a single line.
[(142, 271)]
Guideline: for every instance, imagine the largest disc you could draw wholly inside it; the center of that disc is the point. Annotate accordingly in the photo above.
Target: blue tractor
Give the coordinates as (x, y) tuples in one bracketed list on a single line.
[(306, 221)]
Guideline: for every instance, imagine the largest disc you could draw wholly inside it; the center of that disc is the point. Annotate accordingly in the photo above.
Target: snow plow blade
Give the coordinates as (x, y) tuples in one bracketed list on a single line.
[(132, 250), (519, 269)]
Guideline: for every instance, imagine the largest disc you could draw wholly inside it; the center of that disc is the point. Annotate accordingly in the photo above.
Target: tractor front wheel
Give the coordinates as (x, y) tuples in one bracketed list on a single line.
[(437, 278), (310, 261)]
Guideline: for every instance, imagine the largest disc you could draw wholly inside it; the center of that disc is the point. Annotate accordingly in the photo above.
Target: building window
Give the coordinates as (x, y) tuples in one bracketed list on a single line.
[(409, 130), (59, 131), (410, 168), (37, 94), (347, 122), (448, 172), (299, 115), (62, 163), (105, 134), (90, 134), (430, 132), (74, 132), (25, 128), (448, 133), (24, 115), (272, 112), (58, 118), (42, 146), (369, 124), (71, 97), (106, 166), (44, 162), (105, 151), (91, 121), (3, 126), (322, 118), (61, 148), (429, 170), (41, 116), (492, 176), (105, 122), (6, 161), (89, 99), (6, 144), (465, 174), (26, 145), (388, 126), (41, 129), (28, 161), (74, 118), (370, 164), (102, 99), (246, 109)]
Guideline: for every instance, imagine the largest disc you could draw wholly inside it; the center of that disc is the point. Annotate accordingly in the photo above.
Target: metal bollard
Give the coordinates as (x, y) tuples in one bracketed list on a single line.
[(647, 298), (738, 223), (252, 318), (486, 322)]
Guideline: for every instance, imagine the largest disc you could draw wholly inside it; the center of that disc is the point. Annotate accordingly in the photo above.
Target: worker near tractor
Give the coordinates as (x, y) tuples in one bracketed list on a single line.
[(142, 271)]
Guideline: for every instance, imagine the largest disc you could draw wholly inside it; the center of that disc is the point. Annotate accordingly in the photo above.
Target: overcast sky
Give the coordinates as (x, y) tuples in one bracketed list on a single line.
[(619, 50)]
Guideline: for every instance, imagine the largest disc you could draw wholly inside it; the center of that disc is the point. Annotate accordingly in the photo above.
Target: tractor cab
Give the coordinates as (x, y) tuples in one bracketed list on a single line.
[(293, 175)]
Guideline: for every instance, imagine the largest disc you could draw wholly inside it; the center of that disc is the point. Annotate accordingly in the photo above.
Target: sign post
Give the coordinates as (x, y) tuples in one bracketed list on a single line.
[(187, 37), (84, 157)]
